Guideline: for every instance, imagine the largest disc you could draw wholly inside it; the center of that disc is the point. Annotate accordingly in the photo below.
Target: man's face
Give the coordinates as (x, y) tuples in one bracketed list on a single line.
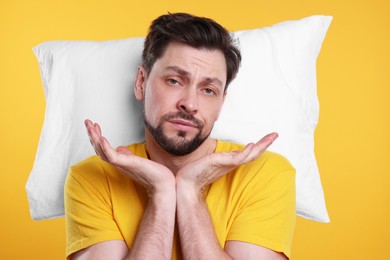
[(182, 96)]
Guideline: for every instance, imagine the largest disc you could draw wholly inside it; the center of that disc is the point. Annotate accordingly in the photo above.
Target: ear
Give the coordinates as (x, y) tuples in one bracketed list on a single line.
[(140, 82)]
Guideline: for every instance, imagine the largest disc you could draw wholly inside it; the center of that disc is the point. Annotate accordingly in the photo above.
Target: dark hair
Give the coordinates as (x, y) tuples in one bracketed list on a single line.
[(198, 32)]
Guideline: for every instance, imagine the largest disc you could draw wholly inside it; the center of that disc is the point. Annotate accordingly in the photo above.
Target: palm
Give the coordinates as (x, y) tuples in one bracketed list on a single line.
[(153, 176), (211, 167)]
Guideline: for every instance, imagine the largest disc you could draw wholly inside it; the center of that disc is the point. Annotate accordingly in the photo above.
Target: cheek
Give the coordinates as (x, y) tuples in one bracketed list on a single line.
[(211, 112), (155, 107), (150, 100), (151, 112)]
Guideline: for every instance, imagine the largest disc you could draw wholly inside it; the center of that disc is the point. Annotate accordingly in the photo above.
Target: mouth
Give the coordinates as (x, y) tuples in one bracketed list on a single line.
[(182, 124)]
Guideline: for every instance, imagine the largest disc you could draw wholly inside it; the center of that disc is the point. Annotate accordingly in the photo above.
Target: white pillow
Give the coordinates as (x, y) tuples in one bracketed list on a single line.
[(275, 90)]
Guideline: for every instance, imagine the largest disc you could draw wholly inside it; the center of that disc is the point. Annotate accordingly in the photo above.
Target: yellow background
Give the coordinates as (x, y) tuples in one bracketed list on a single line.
[(352, 138)]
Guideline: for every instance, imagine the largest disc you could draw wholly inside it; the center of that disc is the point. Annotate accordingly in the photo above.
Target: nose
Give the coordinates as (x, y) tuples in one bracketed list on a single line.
[(189, 101)]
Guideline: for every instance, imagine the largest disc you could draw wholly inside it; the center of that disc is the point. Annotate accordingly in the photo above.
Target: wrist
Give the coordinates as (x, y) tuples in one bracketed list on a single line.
[(164, 201), (187, 191), (162, 188)]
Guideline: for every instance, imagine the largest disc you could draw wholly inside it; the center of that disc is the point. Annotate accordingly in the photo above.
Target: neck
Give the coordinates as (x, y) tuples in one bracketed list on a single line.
[(175, 163)]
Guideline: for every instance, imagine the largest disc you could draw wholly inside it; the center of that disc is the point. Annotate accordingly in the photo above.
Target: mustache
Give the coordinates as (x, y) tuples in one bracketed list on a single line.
[(185, 116)]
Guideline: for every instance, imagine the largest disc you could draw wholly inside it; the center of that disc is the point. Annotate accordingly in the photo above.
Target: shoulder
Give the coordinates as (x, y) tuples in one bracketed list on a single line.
[(90, 167), (263, 192), (87, 177)]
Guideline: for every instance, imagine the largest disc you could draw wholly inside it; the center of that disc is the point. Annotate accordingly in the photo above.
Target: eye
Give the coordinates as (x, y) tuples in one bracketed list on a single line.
[(209, 91), (173, 81)]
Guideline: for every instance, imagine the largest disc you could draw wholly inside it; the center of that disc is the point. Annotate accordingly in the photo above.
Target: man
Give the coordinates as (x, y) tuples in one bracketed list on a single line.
[(181, 194)]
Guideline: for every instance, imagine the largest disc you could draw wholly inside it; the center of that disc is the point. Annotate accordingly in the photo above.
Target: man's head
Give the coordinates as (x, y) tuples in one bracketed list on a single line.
[(198, 32), (187, 64)]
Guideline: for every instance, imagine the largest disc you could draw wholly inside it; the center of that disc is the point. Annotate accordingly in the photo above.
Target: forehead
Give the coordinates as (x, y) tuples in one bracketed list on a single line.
[(205, 62)]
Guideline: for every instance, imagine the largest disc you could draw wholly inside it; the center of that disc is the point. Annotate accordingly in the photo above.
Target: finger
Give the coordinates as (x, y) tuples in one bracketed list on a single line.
[(243, 155), (98, 129), (123, 150), (110, 154), (88, 123), (263, 145), (94, 134), (95, 141), (253, 151), (233, 158), (268, 139)]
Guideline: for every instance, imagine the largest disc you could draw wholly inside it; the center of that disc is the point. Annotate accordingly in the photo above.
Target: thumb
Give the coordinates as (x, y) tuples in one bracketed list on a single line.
[(123, 150)]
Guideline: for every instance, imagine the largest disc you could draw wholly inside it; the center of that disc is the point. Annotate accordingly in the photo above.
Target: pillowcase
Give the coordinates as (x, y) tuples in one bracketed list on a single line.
[(275, 90)]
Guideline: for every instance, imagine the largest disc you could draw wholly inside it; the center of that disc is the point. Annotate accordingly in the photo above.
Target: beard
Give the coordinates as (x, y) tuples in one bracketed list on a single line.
[(178, 145)]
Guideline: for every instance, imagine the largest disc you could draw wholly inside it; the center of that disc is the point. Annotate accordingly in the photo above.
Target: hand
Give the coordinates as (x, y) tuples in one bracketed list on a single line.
[(208, 169), (153, 176)]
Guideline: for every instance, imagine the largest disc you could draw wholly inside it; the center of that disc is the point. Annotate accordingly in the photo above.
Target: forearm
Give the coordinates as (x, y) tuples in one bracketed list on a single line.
[(155, 234), (196, 231)]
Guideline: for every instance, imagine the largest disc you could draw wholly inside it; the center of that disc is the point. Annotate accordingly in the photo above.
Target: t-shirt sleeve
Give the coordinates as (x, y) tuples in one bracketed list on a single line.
[(88, 208), (267, 214)]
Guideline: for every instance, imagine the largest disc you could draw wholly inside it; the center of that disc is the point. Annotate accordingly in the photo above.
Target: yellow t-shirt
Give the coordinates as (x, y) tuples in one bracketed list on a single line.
[(254, 203)]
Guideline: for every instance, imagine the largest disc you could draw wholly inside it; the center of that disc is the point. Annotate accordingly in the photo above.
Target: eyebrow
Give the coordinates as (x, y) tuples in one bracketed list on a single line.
[(185, 73)]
